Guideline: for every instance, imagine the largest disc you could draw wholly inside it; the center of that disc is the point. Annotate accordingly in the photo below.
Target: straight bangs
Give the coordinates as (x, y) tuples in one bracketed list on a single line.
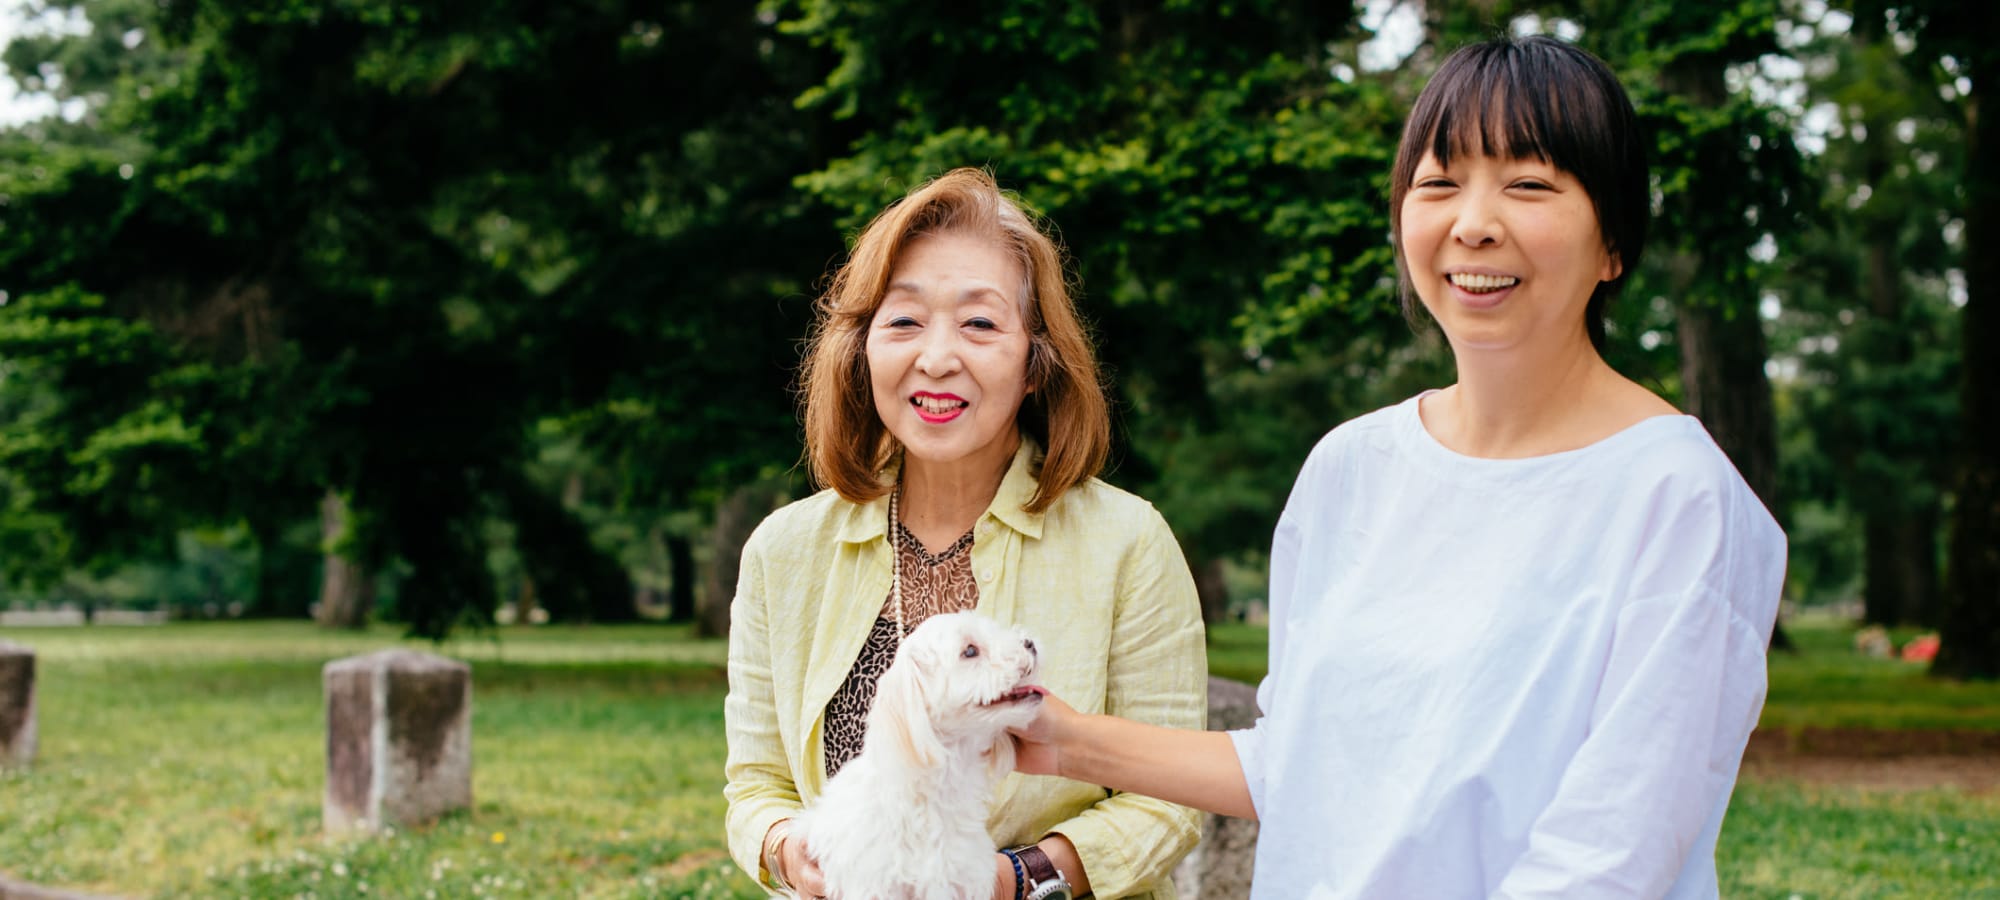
[(1536, 98)]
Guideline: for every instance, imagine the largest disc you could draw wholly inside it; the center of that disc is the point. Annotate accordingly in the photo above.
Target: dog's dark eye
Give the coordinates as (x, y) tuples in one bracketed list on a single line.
[(971, 650)]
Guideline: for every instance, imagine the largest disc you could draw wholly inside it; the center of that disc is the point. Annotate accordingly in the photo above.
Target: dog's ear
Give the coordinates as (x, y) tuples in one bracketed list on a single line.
[(902, 714)]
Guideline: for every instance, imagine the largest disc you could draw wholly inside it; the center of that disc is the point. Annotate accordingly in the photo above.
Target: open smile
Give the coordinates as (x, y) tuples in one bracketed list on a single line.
[(1481, 290), (938, 408)]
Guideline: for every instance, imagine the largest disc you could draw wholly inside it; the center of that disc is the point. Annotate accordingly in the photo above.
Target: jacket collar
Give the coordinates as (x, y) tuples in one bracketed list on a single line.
[(870, 521)]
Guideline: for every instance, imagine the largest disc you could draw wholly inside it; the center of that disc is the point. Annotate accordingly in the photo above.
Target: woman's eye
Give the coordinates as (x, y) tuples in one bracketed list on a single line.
[(1533, 185), (982, 323), (971, 650), (1434, 183), (900, 322)]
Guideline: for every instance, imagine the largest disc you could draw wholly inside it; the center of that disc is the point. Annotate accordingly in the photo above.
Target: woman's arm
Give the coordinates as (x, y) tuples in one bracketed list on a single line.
[(1682, 686), (760, 789), (1191, 768)]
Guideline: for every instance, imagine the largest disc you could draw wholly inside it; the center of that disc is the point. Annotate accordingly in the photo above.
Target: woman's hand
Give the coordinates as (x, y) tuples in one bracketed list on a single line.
[(798, 869), (1037, 745)]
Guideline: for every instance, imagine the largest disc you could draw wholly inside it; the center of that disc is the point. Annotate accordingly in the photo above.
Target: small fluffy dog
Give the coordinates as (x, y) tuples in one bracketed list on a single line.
[(906, 819)]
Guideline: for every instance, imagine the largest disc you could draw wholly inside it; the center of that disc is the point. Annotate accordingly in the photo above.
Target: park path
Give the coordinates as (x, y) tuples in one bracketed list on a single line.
[(1877, 760)]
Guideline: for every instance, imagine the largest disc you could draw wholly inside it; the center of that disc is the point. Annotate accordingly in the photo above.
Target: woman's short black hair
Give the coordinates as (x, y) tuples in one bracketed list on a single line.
[(1543, 98)]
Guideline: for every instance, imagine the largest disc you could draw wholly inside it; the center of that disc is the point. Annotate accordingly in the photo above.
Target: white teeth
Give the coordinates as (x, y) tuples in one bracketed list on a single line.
[(936, 406), (1481, 284)]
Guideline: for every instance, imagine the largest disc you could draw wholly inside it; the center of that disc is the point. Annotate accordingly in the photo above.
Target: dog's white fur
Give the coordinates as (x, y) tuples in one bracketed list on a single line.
[(906, 819)]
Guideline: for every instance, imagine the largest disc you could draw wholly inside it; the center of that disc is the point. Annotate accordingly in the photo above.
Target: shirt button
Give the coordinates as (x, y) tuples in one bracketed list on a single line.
[(986, 575), (985, 528)]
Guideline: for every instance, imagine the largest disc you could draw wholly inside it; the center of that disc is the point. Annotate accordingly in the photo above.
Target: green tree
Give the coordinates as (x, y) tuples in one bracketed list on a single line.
[(364, 249), (1952, 48), (1865, 299)]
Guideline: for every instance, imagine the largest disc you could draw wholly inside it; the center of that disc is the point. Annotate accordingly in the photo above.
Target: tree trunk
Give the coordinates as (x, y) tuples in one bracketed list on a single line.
[(1722, 345), (525, 602), (735, 517), (1212, 590), (1900, 578), (1922, 583), (574, 579), (1882, 601), (1722, 379), (346, 590), (680, 569), (1970, 615)]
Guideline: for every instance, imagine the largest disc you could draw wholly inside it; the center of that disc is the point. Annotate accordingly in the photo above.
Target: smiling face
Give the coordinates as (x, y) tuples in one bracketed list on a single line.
[(1503, 252), (948, 352)]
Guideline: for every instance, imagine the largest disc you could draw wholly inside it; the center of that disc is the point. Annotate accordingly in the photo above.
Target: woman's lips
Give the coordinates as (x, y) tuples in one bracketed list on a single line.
[(938, 408), (1480, 299)]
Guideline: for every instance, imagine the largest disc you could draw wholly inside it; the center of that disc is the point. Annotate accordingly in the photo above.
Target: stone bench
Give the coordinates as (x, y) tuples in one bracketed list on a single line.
[(129, 617), (1219, 868), (41, 618), (398, 739), (17, 705)]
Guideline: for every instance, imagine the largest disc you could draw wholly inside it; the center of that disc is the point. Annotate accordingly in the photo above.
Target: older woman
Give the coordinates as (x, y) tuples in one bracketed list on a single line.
[(954, 415)]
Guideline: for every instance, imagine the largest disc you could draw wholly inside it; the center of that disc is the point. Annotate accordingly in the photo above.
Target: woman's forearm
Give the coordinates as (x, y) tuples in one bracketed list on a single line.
[(1191, 768)]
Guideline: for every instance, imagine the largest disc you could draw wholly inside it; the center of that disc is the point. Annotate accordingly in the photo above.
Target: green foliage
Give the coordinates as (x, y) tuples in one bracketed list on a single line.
[(404, 253), (348, 281)]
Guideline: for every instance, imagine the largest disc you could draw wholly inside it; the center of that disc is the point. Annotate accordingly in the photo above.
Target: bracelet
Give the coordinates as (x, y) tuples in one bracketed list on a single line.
[(1020, 875), (774, 853)]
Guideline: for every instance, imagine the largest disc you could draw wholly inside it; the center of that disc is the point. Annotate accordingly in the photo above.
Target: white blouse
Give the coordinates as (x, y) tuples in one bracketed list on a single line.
[(1514, 678)]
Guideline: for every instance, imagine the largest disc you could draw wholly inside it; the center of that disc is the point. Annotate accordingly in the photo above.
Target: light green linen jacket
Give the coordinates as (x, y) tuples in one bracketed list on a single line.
[(1097, 580)]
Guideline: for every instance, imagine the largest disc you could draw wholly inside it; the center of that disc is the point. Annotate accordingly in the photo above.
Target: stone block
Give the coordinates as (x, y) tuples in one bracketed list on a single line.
[(17, 705), (1220, 866), (398, 739)]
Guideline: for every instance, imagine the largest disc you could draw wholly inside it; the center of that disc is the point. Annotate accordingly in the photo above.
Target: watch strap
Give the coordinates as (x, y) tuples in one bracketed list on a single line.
[(1044, 879)]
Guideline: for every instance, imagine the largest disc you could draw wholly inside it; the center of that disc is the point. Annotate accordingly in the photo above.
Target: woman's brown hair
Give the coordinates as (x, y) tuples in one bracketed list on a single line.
[(847, 446)]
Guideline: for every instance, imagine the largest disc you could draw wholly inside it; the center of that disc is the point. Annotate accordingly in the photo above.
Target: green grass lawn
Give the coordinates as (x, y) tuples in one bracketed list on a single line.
[(189, 761)]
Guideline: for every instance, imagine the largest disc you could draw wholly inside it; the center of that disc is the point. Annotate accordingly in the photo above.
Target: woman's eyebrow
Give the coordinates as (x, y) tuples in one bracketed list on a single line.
[(976, 292)]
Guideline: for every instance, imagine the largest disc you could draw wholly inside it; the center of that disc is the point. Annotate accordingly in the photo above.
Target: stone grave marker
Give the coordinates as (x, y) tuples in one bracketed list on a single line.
[(398, 739), (17, 705)]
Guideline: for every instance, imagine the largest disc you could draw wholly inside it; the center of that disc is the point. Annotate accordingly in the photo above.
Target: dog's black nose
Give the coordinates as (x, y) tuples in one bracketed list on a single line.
[(1030, 644)]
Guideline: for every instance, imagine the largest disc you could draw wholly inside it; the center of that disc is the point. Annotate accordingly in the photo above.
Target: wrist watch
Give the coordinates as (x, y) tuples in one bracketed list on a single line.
[(1045, 881)]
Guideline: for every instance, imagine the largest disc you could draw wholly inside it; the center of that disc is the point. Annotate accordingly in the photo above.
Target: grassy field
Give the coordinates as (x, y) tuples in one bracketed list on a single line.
[(188, 761)]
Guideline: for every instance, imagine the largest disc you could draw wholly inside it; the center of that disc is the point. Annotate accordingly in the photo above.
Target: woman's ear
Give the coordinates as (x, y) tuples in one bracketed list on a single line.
[(902, 715)]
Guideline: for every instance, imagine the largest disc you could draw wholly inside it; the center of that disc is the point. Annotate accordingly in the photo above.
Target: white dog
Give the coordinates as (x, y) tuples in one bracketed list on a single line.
[(906, 819)]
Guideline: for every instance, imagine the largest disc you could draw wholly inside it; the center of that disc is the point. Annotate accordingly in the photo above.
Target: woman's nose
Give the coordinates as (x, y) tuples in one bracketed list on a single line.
[(939, 356), (1477, 224)]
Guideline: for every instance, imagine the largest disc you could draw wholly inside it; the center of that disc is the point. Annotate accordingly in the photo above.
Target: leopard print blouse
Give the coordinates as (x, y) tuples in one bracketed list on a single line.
[(931, 585)]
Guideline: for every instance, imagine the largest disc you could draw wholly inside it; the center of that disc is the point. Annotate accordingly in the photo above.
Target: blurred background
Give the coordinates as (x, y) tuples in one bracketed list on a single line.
[(454, 312)]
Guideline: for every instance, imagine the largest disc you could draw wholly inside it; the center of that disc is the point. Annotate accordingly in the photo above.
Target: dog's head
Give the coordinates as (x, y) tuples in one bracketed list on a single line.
[(959, 679)]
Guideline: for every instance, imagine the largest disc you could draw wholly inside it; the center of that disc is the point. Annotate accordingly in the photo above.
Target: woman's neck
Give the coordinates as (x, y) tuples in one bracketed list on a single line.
[(1509, 405), (941, 502)]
